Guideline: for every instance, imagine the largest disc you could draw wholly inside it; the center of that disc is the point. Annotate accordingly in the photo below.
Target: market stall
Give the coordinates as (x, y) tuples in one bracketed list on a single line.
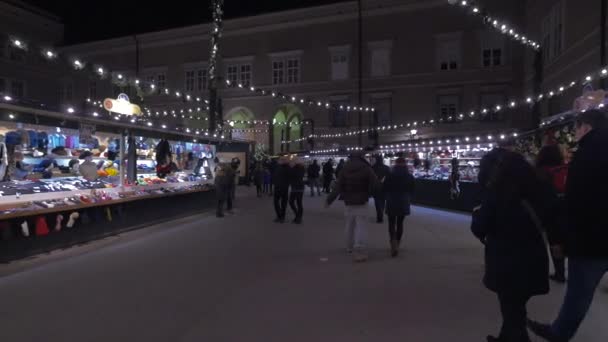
[(67, 180)]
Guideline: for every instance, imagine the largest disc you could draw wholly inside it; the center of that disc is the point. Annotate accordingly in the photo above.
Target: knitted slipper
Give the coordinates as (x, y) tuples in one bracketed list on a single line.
[(73, 217), (42, 228), (25, 229), (58, 222)]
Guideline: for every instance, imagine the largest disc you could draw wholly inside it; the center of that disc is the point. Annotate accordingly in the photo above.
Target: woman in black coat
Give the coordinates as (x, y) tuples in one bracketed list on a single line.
[(508, 223), (398, 186)]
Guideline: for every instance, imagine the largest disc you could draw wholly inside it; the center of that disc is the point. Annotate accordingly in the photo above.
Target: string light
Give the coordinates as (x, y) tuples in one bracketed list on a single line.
[(499, 25)]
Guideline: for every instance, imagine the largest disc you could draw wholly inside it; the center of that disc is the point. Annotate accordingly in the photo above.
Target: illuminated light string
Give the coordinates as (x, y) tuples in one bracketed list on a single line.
[(297, 100), (103, 72), (472, 114), (499, 25), (488, 139)]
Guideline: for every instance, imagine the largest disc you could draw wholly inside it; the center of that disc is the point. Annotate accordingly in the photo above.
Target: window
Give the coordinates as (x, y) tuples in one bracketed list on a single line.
[(492, 57), (449, 106), (190, 80), (492, 49), (293, 71), (278, 72), (161, 80), (232, 73), (93, 90), (66, 92), (340, 66), (245, 74), (2, 85), (489, 101), (381, 58), (286, 71), (202, 79), (383, 105), (18, 88), (448, 54), (553, 33), (338, 117)]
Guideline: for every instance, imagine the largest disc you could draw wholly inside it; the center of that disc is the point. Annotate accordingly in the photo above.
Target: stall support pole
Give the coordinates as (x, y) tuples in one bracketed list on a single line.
[(123, 164)]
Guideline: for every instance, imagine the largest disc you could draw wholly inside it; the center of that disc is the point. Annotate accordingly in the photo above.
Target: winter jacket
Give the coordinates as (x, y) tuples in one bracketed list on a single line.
[(258, 176), (515, 209), (328, 171), (381, 170), (586, 192), (339, 169), (356, 184), (280, 178), (398, 187), (314, 171), (296, 178), (224, 182)]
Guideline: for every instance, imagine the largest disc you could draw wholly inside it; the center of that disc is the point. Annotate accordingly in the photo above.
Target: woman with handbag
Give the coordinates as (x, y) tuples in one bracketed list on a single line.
[(508, 223)]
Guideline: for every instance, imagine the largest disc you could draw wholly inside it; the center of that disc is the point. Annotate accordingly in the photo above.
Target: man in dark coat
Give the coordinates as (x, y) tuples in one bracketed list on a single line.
[(296, 182), (381, 172), (586, 235), (508, 223), (224, 182), (328, 175), (398, 187), (280, 179), (356, 184), (314, 172)]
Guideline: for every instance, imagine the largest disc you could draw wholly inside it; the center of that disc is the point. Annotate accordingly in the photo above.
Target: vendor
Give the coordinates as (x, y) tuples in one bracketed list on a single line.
[(88, 169)]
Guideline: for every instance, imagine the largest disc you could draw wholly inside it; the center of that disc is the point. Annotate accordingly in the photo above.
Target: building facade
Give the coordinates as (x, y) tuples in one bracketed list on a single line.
[(421, 60), (24, 71)]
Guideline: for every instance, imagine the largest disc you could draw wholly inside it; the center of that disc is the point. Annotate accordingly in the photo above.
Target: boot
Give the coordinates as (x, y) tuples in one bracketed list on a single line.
[(394, 248)]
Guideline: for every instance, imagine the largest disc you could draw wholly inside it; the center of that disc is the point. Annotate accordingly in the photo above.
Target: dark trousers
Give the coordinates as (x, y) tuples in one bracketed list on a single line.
[(280, 202), (395, 227), (295, 202), (327, 184), (514, 316), (560, 266), (220, 205), (266, 188), (380, 202), (258, 188), (584, 275)]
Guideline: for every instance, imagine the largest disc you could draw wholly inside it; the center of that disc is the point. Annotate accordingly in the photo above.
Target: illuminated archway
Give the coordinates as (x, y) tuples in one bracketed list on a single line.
[(241, 120)]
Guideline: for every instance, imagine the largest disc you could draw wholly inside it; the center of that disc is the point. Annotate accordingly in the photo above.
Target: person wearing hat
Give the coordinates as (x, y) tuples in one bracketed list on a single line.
[(296, 182), (88, 169), (356, 184)]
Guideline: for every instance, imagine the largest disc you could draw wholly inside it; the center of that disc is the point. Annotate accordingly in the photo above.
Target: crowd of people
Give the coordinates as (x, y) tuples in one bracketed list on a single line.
[(527, 212)]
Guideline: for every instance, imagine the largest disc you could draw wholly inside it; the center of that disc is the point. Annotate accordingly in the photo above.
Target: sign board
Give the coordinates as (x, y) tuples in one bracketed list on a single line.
[(86, 134), (121, 105)]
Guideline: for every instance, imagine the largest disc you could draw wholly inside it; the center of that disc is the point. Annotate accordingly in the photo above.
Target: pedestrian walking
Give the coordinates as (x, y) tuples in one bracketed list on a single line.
[(267, 181), (258, 179), (314, 171), (281, 188), (296, 183), (398, 187), (224, 182), (508, 223), (328, 175), (339, 168), (272, 167), (586, 234), (355, 186), (553, 172), (381, 172)]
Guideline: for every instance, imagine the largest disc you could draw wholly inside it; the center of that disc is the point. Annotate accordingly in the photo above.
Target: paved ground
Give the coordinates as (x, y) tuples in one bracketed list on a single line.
[(244, 278)]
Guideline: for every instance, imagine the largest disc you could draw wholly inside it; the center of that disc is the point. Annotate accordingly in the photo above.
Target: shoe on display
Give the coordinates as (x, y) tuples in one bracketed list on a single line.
[(25, 229), (72, 219), (58, 222)]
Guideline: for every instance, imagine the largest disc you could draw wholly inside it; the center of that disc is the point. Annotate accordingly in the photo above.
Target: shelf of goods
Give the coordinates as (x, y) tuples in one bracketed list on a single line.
[(46, 203)]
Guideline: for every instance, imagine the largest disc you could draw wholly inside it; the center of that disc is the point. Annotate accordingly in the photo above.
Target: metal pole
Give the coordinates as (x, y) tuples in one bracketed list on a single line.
[(603, 40), (360, 85), (216, 34)]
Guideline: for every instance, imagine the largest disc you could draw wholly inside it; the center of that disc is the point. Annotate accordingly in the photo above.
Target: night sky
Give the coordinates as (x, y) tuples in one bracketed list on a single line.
[(88, 20)]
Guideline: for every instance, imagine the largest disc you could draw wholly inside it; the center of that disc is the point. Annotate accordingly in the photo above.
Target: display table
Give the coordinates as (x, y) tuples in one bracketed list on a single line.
[(135, 208), (436, 193)]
